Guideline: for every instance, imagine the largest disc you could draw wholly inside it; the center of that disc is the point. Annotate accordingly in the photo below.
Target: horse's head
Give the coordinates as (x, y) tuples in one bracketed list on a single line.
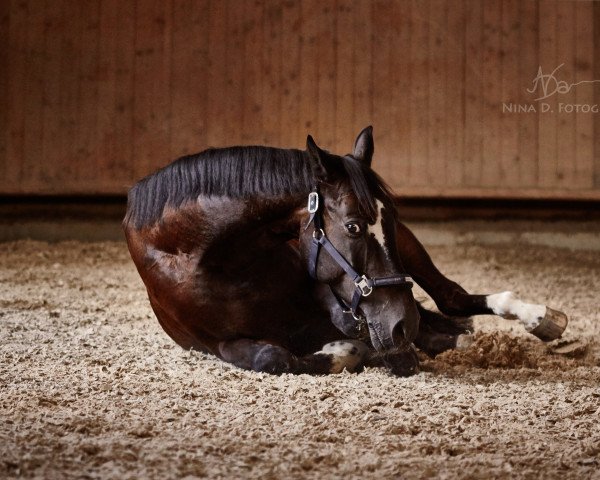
[(350, 246)]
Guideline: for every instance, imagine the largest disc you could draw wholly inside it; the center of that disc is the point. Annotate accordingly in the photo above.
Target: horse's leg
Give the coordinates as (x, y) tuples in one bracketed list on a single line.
[(262, 356), (454, 300), (438, 333)]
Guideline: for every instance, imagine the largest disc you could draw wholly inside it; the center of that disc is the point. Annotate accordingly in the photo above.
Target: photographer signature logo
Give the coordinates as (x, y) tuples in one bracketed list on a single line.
[(549, 85), (546, 85)]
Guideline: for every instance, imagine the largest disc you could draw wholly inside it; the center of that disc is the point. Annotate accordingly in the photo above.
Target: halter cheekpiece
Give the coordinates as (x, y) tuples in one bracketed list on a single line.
[(363, 285)]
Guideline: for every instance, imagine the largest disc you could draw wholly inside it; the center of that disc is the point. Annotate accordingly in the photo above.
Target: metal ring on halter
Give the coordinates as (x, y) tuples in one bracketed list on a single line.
[(356, 316), (363, 286), (318, 233)]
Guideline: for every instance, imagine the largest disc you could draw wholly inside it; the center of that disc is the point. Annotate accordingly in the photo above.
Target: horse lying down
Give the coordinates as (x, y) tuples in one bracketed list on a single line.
[(290, 261)]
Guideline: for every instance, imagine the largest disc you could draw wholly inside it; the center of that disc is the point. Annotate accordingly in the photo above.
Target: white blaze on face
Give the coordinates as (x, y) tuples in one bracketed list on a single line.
[(506, 305), (377, 229)]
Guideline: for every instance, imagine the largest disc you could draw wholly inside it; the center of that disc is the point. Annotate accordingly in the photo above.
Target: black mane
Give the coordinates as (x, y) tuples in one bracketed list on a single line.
[(242, 172)]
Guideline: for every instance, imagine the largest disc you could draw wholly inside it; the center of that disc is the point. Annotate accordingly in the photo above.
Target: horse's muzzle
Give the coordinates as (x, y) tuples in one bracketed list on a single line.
[(393, 320)]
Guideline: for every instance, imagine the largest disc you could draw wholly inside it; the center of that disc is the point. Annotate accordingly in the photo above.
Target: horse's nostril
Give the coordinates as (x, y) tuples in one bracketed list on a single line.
[(402, 361)]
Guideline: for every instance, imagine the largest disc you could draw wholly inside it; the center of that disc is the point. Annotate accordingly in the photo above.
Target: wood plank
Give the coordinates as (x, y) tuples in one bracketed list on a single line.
[(33, 91), (272, 85), (344, 82), (326, 30), (473, 155), (4, 87), (400, 139), (232, 95), (52, 147), (455, 91), (252, 111), (528, 65), (385, 52), (189, 77), (510, 29), (363, 64), (437, 121), (547, 127), (292, 133), (492, 92), (419, 94), (115, 91), (217, 72), (309, 92), (86, 139), (152, 92), (584, 94), (106, 108), (70, 57), (565, 128)]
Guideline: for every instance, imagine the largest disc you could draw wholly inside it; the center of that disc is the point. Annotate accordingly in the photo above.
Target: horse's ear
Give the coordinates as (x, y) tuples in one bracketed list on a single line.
[(316, 156), (364, 146)]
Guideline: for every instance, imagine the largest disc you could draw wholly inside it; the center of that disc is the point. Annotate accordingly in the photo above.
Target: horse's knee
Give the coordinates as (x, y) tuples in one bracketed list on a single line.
[(274, 360), (345, 354)]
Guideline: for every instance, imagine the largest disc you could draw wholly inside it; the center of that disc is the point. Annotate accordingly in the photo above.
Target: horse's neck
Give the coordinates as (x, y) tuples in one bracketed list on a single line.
[(238, 230), (243, 215)]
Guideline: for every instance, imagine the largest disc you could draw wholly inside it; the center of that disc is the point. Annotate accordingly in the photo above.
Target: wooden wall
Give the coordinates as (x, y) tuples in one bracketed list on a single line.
[(97, 93)]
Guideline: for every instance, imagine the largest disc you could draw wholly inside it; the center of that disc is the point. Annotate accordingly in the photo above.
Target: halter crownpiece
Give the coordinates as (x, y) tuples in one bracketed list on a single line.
[(363, 285)]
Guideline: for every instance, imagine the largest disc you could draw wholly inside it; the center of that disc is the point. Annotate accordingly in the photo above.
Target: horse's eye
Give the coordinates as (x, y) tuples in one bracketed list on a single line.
[(353, 228)]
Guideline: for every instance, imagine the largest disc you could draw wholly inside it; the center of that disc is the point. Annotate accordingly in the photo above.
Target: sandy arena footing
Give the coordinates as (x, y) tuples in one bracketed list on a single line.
[(92, 388)]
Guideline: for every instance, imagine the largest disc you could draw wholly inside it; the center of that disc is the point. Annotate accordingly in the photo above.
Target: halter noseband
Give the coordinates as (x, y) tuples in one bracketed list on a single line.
[(363, 285)]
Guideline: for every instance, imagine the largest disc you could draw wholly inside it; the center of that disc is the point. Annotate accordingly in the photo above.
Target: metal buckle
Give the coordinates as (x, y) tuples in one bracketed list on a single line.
[(318, 233), (363, 286), (313, 202)]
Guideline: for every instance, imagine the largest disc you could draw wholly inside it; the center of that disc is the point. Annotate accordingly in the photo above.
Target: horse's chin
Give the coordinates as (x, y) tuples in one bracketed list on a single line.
[(402, 360), (392, 338), (394, 325)]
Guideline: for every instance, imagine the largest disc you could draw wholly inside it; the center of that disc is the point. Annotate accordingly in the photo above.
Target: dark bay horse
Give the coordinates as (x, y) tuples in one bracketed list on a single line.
[(295, 261)]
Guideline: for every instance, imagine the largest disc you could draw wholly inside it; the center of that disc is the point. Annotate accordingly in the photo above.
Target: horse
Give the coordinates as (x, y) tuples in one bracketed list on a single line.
[(296, 261)]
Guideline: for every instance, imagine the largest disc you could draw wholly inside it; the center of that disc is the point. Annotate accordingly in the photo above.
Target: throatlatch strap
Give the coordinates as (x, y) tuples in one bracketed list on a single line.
[(313, 258)]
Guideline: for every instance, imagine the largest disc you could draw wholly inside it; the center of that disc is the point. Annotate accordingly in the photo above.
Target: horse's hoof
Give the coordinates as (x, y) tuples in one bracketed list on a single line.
[(345, 354), (272, 359), (551, 326), (464, 341)]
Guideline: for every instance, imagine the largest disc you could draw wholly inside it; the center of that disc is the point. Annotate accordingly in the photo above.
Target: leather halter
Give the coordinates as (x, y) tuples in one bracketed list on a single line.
[(363, 285)]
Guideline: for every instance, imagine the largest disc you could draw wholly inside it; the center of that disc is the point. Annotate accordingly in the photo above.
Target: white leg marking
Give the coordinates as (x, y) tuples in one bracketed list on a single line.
[(345, 354), (508, 306), (377, 229)]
